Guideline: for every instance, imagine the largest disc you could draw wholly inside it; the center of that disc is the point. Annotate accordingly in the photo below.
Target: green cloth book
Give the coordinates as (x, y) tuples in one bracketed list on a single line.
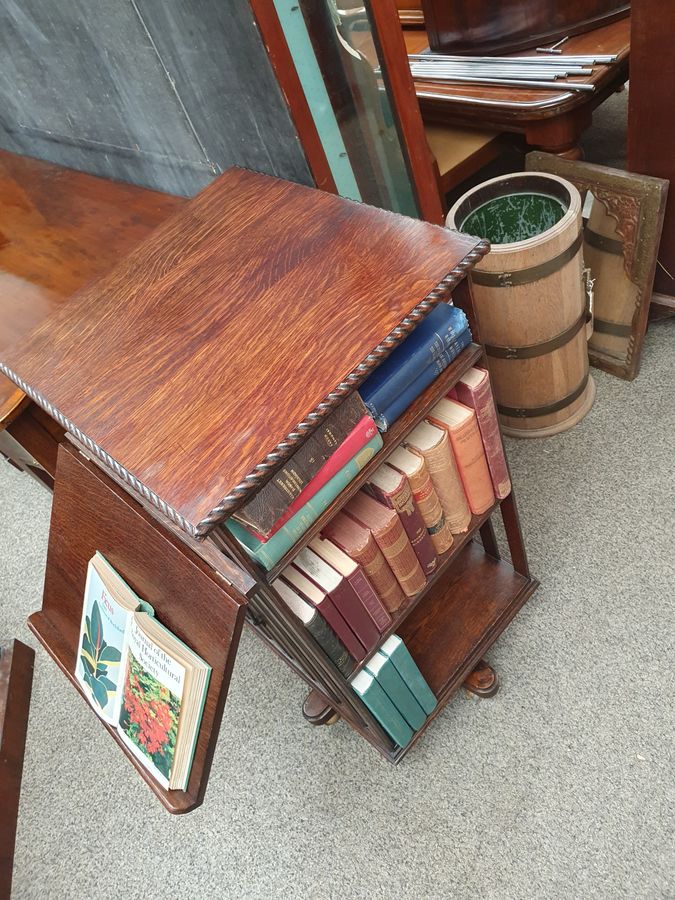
[(382, 668), (269, 553), (399, 654), (378, 702)]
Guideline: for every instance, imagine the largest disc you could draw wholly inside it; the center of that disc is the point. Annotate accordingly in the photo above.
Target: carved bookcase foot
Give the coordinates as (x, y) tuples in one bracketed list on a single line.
[(317, 711), (483, 681)]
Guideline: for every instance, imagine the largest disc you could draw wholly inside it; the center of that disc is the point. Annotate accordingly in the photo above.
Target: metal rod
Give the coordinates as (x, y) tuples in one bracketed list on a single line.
[(494, 70), (554, 47), (578, 59), (511, 82)]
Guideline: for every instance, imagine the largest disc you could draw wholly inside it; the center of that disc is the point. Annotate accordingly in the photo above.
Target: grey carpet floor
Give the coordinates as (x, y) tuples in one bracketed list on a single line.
[(561, 786)]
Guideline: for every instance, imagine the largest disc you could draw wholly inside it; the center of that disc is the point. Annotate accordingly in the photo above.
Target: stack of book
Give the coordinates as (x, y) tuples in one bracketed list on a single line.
[(378, 552), (395, 691), (283, 509), (415, 363)]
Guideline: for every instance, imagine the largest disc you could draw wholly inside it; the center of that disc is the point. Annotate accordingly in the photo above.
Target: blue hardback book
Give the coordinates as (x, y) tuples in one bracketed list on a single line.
[(398, 653), (381, 706), (386, 416), (426, 343), (398, 691), (269, 553)]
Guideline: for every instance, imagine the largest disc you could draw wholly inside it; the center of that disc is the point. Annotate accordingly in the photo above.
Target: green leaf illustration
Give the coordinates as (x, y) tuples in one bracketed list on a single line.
[(100, 692), (109, 655), (96, 631)]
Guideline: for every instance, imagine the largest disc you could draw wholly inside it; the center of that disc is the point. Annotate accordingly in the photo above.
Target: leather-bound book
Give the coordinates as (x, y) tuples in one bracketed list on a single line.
[(317, 626), (433, 444), (473, 390), (392, 488), (391, 538), (353, 572), (415, 469), (344, 597), (323, 603), (273, 499), (357, 542), (467, 445)]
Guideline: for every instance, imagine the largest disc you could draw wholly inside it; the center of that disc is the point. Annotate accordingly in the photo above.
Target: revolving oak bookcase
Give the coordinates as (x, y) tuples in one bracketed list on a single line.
[(189, 374)]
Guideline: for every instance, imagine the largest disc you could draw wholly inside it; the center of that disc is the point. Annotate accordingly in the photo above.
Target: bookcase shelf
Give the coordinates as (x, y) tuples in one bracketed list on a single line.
[(391, 439)]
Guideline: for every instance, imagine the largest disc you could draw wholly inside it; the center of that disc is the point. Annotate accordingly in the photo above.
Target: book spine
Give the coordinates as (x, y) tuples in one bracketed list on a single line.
[(353, 612), (410, 673), (337, 622), (430, 508), (375, 608), (385, 417), (274, 498), (472, 464), (448, 484), (401, 500), (397, 549), (357, 438), (408, 369), (400, 694), (482, 402), (329, 642), (378, 702), (377, 570), (269, 553)]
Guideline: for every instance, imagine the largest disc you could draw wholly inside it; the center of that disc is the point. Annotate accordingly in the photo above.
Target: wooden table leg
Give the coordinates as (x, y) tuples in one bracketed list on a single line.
[(560, 135), (483, 681)]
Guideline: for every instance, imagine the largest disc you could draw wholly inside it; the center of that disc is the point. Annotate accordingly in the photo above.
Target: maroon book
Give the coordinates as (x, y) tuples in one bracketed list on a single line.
[(320, 599), (393, 489), (343, 595)]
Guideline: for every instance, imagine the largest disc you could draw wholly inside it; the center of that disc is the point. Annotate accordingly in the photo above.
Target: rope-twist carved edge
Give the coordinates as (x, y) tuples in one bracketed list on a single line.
[(284, 449)]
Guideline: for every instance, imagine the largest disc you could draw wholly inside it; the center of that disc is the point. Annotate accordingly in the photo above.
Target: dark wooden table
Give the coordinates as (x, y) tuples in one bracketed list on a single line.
[(550, 120)]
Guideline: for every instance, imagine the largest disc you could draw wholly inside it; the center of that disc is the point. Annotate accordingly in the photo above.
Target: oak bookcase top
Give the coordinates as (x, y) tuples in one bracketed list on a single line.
[(198, 364)]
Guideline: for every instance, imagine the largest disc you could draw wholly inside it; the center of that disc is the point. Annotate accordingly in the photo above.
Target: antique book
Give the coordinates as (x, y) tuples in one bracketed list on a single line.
[(321, 601), (377, 700), (389, 414), (353, 572), (398, 653), (274, 498), (391, 538), (392, 488), (434, 445), (426, 343), (317, 626), (159, 684), (268, 553), (344, 597), (358, 543), (397, 690), (415, 468), (364, 432), (462, 426), (473, 390)]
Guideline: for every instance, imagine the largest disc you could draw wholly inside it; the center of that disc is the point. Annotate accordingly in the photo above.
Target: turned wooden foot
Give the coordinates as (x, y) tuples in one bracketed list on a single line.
[(483, 681), (317, 711)]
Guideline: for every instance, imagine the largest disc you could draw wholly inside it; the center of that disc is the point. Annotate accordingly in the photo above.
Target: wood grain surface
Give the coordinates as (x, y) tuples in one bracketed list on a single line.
[(58, 230), (205, 347), (91, 513)]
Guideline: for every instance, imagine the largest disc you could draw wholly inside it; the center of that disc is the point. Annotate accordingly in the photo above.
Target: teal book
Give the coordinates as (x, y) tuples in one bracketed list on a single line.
[(269, 553), (377, 700), (397, 690), (399, 654)]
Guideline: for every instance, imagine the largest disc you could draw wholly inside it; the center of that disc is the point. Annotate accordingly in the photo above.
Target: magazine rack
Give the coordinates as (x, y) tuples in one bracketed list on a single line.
[(193, 371)]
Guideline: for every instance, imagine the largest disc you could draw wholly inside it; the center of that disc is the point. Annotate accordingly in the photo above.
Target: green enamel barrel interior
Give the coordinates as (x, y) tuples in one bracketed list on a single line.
[(513, 210)]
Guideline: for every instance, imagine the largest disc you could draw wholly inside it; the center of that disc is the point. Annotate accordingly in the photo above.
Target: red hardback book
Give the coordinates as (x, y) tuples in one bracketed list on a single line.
[(393, 489), (320, 599), (473, 390), (391, 538), (357, 542), (344, 597), (353, 572), (355, 440)]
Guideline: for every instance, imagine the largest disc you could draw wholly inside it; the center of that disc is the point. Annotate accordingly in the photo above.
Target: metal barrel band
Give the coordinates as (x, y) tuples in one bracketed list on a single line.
[(534, 273), (532, 412), (615, 328), (531, 350), (601, 242)]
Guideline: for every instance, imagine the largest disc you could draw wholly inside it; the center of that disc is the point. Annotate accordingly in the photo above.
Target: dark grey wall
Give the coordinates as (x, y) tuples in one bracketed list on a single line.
[(163, 93)]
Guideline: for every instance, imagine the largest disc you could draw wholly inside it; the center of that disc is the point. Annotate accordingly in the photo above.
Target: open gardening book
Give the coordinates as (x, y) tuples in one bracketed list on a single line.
[(139, 677)]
